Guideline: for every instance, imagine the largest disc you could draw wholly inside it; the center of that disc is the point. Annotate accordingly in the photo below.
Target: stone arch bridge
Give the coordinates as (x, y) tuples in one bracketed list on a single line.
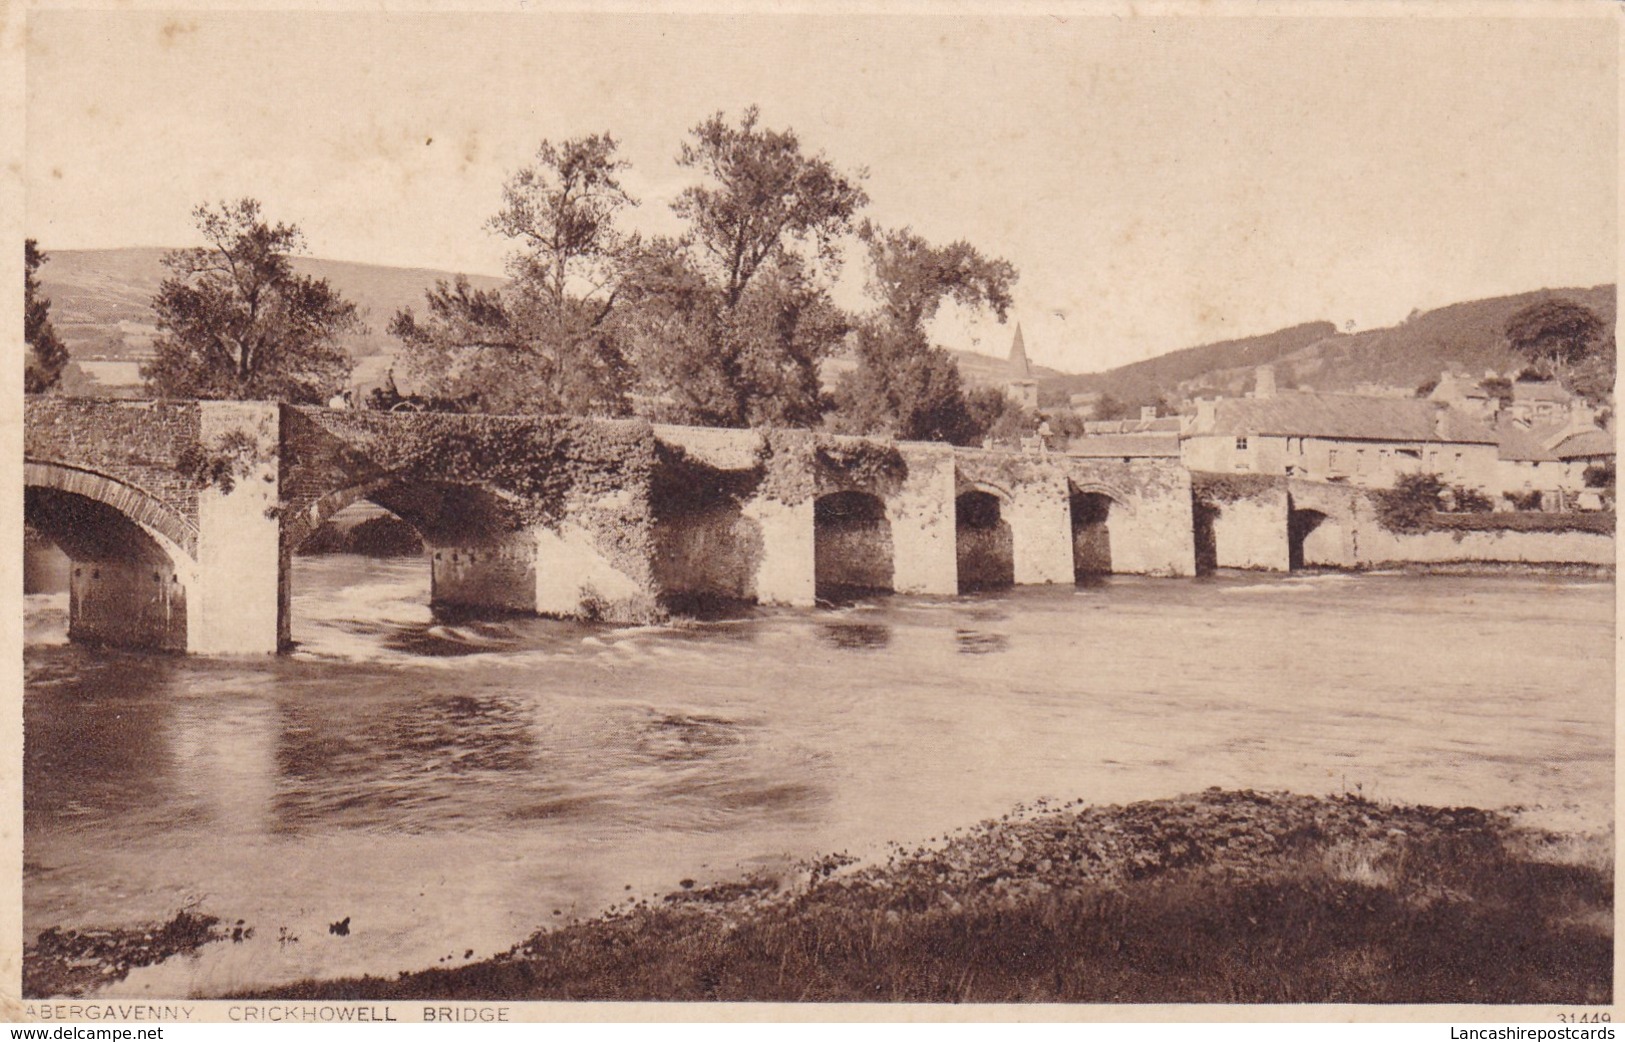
[(181, 518)]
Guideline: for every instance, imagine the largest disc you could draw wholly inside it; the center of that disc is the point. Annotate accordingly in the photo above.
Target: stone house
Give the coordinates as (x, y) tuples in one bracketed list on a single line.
[(1551, 458), (1466, 393), (1340, 438), (1539, 401)]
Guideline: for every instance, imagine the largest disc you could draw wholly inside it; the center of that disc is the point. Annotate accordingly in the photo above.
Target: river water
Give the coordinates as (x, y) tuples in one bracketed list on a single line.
[(449, 789)]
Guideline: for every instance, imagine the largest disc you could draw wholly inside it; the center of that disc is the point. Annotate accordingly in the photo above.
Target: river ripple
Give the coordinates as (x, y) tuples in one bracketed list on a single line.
[(450, 788)]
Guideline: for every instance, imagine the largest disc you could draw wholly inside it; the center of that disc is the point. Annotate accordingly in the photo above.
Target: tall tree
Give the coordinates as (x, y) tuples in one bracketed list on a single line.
[(1555, 335), (237, 322), (47, 355), (903, 384), (546, 342), (762, 197), (735, 318)]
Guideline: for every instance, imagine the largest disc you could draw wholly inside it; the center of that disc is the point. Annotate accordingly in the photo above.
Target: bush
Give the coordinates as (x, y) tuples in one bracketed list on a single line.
[(1471, 500), (1406, 506), (1599, 475), (1600, 522), (1530, 500)]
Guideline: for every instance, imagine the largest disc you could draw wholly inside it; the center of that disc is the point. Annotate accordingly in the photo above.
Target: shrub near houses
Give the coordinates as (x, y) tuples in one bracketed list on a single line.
[(1423, 503)]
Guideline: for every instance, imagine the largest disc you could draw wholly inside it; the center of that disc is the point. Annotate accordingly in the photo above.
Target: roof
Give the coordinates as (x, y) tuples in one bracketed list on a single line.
[(1525, 444), (1552, 442), (1454, 387), (1134, 426), (1117, 445), (1540, 391), (1594, 442), (1357, 417)]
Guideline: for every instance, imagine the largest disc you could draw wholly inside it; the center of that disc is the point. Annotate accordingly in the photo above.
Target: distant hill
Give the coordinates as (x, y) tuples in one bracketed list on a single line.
[(990, 371), (99, 298), (1465, 337), (99, 305)]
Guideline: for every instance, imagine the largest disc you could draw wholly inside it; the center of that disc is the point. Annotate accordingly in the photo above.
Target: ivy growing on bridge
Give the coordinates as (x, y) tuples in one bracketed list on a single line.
[(798, 465), (1217, 489)]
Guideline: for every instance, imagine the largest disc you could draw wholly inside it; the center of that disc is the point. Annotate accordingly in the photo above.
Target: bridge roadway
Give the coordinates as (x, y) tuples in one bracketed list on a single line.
[(181, 517)]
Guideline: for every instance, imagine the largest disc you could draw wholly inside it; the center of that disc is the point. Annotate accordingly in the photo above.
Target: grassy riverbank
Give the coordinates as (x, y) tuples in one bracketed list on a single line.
[(1214, 897)]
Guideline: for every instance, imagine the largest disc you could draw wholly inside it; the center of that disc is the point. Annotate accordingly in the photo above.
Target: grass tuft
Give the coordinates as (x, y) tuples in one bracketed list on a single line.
[(1215, 897)]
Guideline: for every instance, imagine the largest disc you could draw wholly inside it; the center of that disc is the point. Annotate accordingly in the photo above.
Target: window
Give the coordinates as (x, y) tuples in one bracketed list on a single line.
[(1241, 443), (1331, 459)]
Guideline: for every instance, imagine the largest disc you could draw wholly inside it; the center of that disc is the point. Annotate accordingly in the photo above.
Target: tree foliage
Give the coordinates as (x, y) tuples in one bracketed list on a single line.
[(762, 197), (904, 385), (547, 341), (728, 324), (732, 321), (1555, 335), (237, 322), (1497, 387), (47, 355)]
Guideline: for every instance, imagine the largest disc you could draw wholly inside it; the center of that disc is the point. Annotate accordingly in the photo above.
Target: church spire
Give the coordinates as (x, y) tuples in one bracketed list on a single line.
[(1019, 366)]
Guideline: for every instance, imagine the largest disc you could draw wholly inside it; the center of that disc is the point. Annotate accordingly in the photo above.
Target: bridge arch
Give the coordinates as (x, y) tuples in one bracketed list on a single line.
[(1093, 506), (984, 543), (1314, 539), (852, 544), (131, 557), (438, 510), (133, 503), (479, 547)]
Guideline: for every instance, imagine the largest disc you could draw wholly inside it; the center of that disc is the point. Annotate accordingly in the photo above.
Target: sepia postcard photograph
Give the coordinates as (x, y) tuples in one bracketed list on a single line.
[(1080, 507)]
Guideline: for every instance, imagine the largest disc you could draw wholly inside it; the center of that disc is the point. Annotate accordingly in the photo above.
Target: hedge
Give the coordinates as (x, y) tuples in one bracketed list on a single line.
[(1601, 522)]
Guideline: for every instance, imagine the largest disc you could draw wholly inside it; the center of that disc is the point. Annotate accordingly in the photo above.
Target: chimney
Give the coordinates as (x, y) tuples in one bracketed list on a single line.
[(1148, 412), (1207, 414), (1441, 422), (1264, 382)]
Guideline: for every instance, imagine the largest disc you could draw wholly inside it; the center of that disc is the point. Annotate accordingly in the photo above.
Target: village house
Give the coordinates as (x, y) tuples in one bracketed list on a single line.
[(1540, 401), (1546, 438), (1344, 438), (1466, 393), (1148, 437), (1552, 458)]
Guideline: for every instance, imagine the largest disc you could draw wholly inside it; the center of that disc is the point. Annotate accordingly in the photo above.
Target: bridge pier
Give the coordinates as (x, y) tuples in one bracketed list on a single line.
[(922, 519), (127, 604), (1041, 531), (236, 607), (787, 571), (497, 573), (596, 564)]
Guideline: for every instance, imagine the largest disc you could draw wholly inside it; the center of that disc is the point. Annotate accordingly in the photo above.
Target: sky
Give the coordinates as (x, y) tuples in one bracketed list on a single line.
[(1158, 182)]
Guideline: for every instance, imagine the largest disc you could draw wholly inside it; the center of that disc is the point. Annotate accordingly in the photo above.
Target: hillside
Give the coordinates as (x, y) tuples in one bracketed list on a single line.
[(99, 298), (1465, 337), (990, 371), (99, 304)]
